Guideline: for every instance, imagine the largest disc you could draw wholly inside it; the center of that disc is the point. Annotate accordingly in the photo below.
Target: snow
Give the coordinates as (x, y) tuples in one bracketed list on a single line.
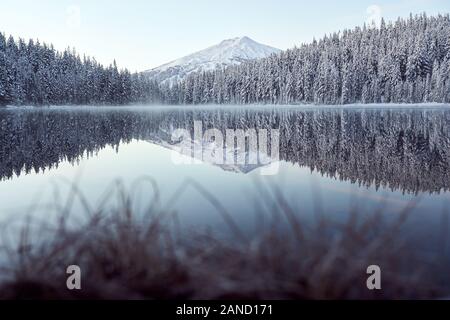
[(228, 52)]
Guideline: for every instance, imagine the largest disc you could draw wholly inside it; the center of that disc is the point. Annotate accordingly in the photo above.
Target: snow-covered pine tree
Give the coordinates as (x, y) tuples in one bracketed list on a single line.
[(392, 63)]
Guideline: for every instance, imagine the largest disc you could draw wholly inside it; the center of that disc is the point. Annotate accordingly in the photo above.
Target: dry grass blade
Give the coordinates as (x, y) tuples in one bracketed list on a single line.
[(124, 254)]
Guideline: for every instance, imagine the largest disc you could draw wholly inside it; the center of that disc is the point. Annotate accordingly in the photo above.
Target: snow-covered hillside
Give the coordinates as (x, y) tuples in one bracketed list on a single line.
[(228, 52)]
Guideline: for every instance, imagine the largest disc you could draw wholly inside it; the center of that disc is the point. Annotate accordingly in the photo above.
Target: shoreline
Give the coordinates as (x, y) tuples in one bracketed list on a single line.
[(428, 105)]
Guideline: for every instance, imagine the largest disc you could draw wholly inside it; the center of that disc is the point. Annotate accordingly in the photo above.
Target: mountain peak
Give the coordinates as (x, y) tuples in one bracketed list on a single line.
[(245, 39), (228, 52), (239, 39)]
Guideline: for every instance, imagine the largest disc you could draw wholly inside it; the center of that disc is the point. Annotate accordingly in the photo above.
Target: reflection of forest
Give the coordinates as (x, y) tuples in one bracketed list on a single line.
[(402, 149)]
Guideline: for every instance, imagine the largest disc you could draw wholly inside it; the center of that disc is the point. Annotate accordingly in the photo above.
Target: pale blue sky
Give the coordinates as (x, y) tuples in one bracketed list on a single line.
[(142, 34)]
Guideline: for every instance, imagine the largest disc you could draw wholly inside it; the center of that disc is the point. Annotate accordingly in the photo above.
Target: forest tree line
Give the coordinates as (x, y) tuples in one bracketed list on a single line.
[(403, 62), (407, 61), (36, 74)]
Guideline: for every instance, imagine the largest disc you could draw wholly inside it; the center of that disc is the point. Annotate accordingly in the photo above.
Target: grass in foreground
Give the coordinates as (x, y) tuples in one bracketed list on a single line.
[(124, 256)]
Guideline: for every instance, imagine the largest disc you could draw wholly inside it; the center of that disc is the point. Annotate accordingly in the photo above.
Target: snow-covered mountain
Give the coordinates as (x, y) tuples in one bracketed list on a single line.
[(207, 153), (228, 52)]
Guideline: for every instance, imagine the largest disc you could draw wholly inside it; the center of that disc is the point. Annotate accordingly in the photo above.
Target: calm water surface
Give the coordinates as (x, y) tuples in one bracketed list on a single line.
[(331, 160)]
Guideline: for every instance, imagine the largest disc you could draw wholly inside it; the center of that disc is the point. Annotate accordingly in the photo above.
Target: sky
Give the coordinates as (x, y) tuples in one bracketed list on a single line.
[(142, 34)]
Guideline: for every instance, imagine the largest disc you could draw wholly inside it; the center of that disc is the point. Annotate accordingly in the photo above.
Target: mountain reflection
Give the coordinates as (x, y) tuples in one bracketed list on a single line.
[(406, 150)]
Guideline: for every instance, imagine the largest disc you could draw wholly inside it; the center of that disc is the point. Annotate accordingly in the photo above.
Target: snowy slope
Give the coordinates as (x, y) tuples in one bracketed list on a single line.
[(228, 52)]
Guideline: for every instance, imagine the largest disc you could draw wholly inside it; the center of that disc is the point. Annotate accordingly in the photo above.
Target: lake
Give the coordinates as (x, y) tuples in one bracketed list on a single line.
[(326, 161)]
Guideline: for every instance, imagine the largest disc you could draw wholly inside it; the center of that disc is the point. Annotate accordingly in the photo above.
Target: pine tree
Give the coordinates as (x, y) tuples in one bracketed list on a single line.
[(397, 62)]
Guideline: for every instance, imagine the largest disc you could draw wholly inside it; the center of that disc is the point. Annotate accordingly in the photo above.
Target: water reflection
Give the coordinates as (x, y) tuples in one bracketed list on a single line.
[(407, 150)]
